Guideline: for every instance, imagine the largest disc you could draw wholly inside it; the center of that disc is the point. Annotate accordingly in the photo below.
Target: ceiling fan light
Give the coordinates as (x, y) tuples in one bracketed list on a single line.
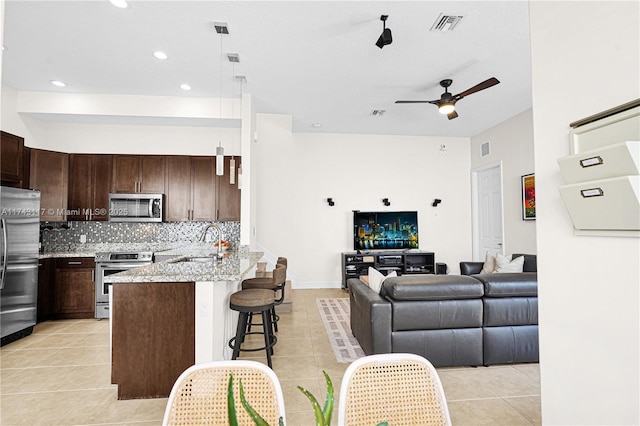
[(446, 108)]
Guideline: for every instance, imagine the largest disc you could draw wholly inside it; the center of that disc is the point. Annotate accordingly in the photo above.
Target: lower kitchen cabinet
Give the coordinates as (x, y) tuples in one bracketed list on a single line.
[(74, 289), (46, 268)]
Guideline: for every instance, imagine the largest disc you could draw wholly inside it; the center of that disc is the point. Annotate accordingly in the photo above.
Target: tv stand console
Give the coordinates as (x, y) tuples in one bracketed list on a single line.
[(355, 264)]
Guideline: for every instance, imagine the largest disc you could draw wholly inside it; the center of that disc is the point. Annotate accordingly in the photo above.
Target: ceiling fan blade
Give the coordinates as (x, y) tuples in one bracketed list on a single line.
[(478, 87), (452, 115), (416, 102)]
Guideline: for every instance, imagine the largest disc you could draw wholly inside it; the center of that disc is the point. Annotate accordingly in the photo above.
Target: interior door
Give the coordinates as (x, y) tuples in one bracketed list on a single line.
[(488, 224)]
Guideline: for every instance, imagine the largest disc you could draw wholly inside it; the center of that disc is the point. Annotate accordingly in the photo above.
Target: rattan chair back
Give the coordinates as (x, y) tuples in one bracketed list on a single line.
[(401, 389), (199, 395)]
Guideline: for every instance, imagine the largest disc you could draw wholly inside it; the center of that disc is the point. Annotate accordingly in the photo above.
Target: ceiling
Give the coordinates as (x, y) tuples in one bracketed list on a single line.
[(315, 60)]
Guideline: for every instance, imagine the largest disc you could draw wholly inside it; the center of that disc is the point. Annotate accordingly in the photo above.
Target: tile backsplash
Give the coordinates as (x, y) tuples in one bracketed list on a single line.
[(62, 236)]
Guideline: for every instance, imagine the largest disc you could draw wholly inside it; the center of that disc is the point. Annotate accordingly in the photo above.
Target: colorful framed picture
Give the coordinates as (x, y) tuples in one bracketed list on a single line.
[(529, 197)]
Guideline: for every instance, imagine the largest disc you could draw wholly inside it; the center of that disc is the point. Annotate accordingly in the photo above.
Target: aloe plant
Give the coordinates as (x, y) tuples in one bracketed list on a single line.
[(231, 407), (323, 416)]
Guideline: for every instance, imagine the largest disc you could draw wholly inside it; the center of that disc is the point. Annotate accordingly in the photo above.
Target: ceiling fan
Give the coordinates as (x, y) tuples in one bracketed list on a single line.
[(446, 103)]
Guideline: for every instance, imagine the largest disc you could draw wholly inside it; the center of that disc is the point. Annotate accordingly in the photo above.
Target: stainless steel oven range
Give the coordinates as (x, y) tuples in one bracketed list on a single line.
[(109, 263)]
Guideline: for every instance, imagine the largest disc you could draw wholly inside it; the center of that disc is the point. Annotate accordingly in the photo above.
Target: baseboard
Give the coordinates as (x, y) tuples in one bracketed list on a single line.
[(306, 285)]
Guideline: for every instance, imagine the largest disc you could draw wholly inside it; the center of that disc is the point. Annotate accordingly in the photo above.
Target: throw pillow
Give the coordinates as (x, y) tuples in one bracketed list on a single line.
[(504, 264), (376, 278), (489, 264)]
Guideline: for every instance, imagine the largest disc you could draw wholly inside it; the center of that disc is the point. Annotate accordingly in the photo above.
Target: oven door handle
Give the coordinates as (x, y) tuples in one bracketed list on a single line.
[(123, 266)]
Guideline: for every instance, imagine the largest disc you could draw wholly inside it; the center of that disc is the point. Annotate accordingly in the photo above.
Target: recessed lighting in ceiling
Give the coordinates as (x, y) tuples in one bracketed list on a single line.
[(58, 83), (122, 4), (316, 125), (160, 55), (185, 87)]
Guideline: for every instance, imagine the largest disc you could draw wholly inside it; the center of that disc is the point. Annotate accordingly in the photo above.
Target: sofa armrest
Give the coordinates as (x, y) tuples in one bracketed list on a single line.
[(370, 318), (470, 268)]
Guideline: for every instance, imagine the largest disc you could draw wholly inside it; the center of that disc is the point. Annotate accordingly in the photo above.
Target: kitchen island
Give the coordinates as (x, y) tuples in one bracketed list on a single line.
[(170, 315)]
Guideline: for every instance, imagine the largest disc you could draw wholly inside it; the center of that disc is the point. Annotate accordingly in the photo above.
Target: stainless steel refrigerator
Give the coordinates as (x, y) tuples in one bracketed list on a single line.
[(19, 239)]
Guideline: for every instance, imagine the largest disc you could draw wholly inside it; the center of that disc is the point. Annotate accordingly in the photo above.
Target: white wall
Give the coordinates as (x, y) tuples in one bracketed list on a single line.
[(297, 172), (512, 144), (93, 137), (586, 58)]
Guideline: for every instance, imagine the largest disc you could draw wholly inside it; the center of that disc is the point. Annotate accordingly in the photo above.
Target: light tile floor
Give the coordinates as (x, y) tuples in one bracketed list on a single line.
[(60, 375)]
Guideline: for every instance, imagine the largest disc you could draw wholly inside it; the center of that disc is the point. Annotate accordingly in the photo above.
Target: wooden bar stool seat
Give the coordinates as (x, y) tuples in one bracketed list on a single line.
[(246, 302)]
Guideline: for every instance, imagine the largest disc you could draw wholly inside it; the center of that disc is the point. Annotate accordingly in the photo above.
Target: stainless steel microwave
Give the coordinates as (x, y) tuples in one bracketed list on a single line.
[(136, 207)]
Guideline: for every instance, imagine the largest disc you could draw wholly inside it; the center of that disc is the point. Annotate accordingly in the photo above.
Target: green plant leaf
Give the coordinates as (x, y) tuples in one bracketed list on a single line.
[(327, 411), (259, 421), (280, 421), (383, 424), (316, 407), (231, 405)]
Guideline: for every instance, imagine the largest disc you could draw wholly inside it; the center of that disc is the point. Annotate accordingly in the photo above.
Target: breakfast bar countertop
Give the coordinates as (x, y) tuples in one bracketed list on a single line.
[(192, 267)]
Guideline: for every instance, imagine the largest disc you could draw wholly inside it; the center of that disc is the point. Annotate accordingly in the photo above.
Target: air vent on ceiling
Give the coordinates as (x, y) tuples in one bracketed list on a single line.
[(221, 27), (233, 57), (445, 23), (377, 112)]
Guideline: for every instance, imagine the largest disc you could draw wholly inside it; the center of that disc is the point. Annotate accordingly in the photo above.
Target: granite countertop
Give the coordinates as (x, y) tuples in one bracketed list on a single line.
[(233, 267), (90, 250)]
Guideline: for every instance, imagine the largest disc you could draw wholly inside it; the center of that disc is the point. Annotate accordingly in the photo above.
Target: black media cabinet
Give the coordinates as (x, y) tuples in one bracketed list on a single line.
[(355, 264)]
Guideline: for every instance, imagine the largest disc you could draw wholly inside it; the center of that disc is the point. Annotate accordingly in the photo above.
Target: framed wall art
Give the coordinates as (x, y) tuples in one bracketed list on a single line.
[(528, 197)]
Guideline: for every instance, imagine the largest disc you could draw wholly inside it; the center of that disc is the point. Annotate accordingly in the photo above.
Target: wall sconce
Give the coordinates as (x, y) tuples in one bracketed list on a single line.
[(330, 202), (436, 202), (386, 202)]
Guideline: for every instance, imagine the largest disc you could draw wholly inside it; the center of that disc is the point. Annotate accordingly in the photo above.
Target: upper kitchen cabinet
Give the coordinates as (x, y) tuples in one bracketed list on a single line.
[(194, 192), (138, 173), (12, 160), (228, 196), (89, 186), (49, 174)]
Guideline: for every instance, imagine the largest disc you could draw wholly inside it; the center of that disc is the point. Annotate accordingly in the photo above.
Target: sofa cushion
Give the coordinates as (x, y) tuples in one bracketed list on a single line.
[(530, 262), (443, 348), (505, 264), (376, 278), (508, 311), (524, 284), (436, 314), (431, 287), (489, 264)]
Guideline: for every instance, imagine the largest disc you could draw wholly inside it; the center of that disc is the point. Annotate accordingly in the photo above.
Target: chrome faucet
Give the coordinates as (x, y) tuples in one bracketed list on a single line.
[(204, 235)]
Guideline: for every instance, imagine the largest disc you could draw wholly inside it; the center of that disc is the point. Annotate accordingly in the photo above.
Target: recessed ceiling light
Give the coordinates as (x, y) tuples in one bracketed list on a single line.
[(185, 86), (122, 4), (316, 125), (58, 83), (160, 55)]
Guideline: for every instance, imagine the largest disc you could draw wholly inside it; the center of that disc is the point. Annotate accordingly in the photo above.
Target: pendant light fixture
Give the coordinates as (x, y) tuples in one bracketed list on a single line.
[(222, 29)]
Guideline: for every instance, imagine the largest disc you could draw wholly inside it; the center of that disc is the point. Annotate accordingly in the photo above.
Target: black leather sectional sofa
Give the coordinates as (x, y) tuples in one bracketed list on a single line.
[(452, 320)]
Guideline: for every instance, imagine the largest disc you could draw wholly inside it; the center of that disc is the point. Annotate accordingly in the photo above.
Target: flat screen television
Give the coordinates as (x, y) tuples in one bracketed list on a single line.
[(385, 230)]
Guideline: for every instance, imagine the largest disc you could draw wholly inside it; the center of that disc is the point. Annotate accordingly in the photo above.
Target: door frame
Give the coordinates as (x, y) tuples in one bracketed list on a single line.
[(475, 212)]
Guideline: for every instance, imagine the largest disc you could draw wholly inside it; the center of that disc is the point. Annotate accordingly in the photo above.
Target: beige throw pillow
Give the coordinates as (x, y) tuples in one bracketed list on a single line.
[(376, 279), (489, 264), (504, 264)]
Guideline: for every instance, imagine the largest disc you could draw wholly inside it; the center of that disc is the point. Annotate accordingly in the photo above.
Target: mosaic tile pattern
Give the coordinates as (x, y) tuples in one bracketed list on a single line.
[(66, 236)]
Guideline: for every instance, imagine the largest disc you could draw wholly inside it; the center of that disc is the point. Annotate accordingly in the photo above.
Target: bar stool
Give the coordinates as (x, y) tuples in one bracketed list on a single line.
[(246, 302), (276, 282)]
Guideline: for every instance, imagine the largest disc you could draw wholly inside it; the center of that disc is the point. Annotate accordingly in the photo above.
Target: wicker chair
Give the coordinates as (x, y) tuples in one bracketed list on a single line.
[(402, 389), (199, 395)]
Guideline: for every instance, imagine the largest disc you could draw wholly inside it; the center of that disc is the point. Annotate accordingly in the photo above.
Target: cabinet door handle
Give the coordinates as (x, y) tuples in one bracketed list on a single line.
[(93, 275)]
